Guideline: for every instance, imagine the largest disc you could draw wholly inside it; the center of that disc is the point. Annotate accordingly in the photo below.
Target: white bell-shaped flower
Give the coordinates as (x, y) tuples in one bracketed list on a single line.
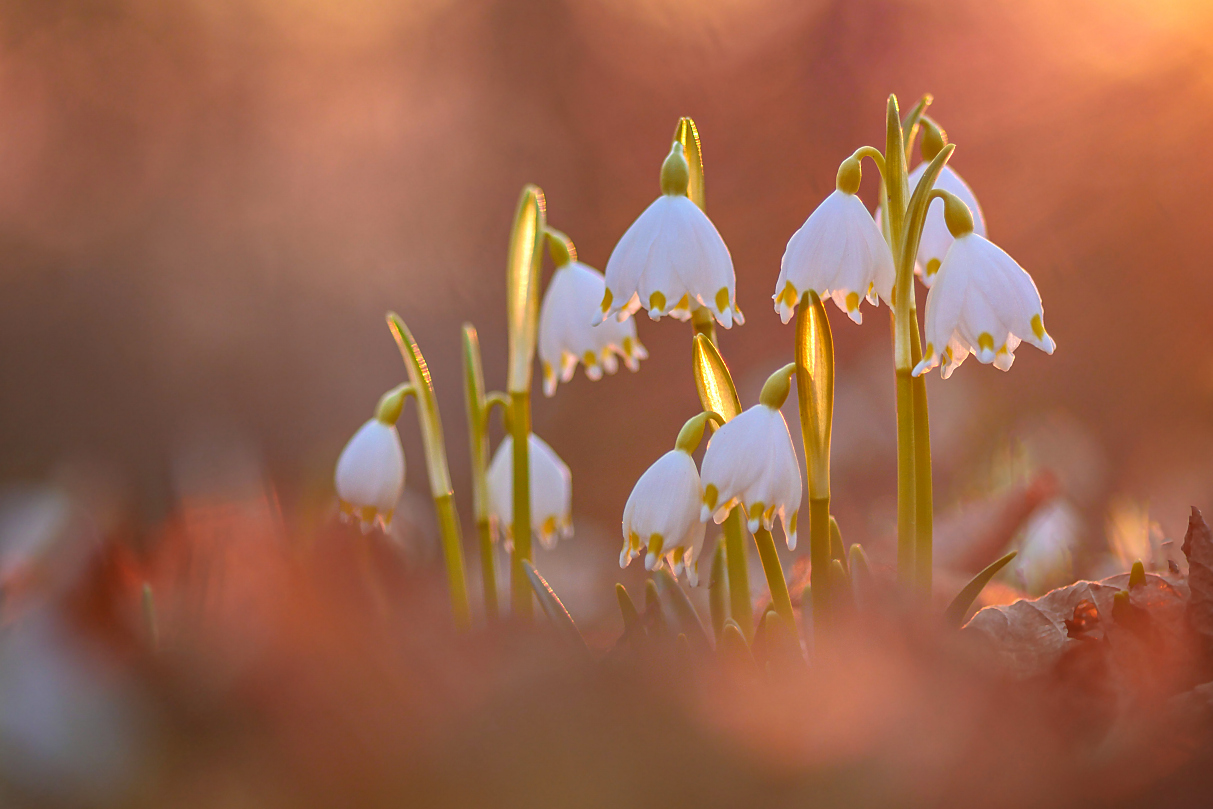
[(567, 334), (662, 516), (751, 462), (936, 238), (370, 474), (551, 486), (838, 253), (671, 259), (982, 302)]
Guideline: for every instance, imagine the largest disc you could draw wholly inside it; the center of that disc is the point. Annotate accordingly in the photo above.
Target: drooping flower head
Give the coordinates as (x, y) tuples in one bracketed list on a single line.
[(551, 491), (751, 462), (567, 334), (662, 512), (671, 259), (838, 252), (370, 471), (982, 302)]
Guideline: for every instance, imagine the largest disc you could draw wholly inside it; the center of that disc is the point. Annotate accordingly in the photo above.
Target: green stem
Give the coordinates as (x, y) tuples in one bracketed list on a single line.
[(740, 606), (488, 570), (452, 550), (520, 429), (924, 518), (776, 582), (905, 477), (819, 558)]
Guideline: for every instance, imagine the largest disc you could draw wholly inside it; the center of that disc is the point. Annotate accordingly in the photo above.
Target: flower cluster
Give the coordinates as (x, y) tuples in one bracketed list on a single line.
[(750, 463)]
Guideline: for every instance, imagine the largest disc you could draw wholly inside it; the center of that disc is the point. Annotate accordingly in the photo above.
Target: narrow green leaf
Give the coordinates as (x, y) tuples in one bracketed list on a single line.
[(654, 618), (631, 618), (686, 134), (775, 644), (956, 612), (837, 549), (713, 380), (841, 592), (478, 437), (916, 212), (909, 124), (427, 410), (552, 605), (686, 619), (733, 646), (522, 286)]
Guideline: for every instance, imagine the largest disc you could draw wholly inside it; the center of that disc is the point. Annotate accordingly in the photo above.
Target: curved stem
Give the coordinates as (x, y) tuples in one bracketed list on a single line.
[(436, 466), (874, 154)]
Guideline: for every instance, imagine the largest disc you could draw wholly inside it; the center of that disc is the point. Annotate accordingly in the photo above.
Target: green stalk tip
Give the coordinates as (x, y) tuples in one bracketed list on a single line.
[(1137, 576)]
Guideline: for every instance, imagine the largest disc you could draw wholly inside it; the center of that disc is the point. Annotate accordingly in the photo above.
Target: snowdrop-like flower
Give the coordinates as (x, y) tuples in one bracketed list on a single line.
[(838, 252), (551, 491), (370, 471), (982, 301), (936, 238), (662, 511), (751, 462), (671, 259), (567, 334)]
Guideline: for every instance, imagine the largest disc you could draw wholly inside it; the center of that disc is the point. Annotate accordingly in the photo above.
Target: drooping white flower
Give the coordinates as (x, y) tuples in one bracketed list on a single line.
[(662, 515), (551, 486), (936, 238), (370, 474), (567, 334), (751, 462), (982, 301), (838, 252), (671, 259)]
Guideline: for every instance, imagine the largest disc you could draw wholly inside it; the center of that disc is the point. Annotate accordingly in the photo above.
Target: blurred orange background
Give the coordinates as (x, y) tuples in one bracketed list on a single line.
[(207, 207)]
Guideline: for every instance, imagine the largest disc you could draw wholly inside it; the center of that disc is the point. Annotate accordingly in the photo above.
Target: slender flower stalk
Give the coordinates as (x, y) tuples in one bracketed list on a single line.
[(522, 290), (436, 466), (478, 444)]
